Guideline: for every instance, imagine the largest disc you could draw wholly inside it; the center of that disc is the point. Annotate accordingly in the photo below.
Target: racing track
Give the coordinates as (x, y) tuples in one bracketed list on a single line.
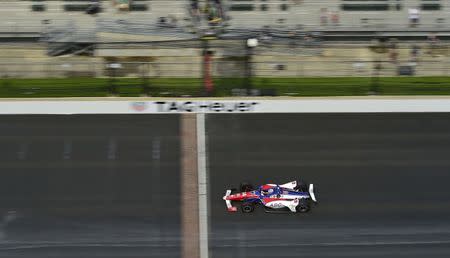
[(383, 184), (382, 179), (89, 186)]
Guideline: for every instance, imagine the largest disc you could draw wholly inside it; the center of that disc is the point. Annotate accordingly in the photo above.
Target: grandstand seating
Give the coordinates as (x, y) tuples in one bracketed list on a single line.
[(326, 15), (30, 14), (351, 13)]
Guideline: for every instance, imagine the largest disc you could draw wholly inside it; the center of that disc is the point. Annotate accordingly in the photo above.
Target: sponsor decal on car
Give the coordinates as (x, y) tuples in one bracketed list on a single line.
[(275, 204)]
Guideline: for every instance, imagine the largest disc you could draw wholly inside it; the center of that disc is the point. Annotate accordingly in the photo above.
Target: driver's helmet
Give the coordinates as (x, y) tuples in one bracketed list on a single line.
[(266, 191)]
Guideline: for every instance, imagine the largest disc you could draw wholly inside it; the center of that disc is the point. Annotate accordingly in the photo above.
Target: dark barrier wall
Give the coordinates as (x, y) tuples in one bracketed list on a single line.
[(81, 185)]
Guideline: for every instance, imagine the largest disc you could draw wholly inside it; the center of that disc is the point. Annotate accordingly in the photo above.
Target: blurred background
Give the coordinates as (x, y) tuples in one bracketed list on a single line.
[(97, 185), (223, 47)]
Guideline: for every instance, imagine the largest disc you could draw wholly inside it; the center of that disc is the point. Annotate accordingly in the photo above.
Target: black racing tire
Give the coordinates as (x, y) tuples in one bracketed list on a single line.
[(246, 187), (247, 207), (303, 206), (302, 186)]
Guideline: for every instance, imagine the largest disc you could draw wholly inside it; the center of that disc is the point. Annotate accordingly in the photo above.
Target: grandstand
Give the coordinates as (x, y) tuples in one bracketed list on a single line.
[(165, 36), (21, 16), (36, 16), (328, 16), (61, 10), (338, 14)]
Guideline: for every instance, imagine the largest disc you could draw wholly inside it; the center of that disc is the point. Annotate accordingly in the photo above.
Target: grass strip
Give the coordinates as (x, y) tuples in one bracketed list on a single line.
[(302, 86)]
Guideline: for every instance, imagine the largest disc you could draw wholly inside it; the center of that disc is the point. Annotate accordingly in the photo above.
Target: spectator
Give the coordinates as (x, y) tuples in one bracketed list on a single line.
[(194, 5), (293, 37), (163, 22), (433, 43), (335, 18), (195, 11), (214, 15), (122, 5), (323, 16), (432, 39), (173, 20), (415, 49), (93, 8), (393, 52), (414, 16), (307, 39), (218, 5)]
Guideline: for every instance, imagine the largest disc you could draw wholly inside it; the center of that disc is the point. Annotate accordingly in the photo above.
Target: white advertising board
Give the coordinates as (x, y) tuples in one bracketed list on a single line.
[(313, 105)]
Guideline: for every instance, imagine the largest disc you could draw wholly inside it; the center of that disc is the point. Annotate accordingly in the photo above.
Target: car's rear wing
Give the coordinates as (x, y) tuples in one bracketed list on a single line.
[(228, 202), (311, 192)]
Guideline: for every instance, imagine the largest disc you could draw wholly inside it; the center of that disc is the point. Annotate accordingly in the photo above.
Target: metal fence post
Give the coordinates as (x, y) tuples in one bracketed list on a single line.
[(248, 67), (250, 44), (208, 85), (112, 82), (374, 82), (145, 67)]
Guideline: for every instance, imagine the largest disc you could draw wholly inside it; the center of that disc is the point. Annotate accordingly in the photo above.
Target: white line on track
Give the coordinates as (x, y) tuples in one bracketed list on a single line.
[(202, 186)]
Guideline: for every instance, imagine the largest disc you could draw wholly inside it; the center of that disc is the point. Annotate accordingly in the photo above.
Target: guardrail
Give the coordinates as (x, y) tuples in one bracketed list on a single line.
[(278, 68)]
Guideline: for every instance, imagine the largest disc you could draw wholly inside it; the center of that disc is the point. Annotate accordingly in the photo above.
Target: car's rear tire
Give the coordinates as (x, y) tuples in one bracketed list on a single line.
[(247, 207), (303, 206), (246, 187), (302, 186)]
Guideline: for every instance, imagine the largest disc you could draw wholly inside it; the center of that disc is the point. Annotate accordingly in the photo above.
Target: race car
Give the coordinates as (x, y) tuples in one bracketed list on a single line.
[(295, 196)]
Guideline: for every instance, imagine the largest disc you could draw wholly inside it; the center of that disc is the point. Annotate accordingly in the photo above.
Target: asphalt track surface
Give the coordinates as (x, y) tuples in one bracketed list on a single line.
[(98, 185), (383, 182), (89, 186)]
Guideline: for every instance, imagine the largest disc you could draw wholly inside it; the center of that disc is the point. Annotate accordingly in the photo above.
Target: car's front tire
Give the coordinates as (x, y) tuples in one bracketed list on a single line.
[(303, 206), (247, 207)]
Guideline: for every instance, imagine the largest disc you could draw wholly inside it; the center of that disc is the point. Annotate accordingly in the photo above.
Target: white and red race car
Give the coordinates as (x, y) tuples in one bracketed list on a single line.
[(295, 196)]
